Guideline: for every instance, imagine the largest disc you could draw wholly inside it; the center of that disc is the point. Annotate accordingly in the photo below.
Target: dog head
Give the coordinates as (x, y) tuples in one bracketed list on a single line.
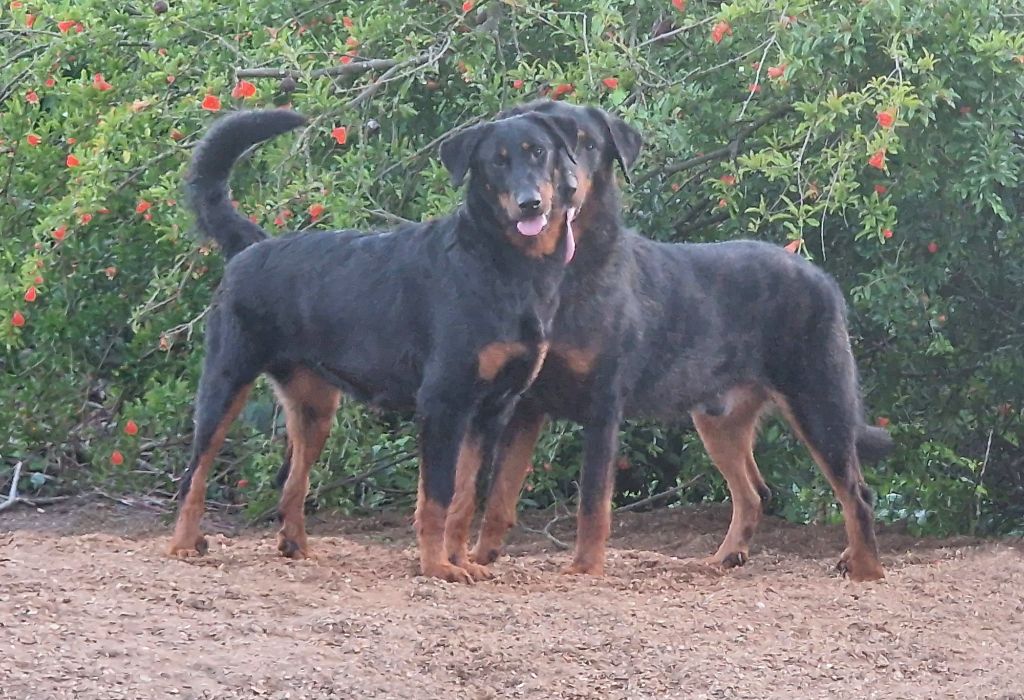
[(602, 141), (522, 169)]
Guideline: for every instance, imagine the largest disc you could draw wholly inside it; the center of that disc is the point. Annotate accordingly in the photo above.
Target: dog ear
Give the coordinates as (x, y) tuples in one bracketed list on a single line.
[(625, 139), (457, 151)]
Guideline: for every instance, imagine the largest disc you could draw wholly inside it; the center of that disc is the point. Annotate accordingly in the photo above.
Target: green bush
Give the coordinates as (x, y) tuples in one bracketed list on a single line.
[(884, 139)]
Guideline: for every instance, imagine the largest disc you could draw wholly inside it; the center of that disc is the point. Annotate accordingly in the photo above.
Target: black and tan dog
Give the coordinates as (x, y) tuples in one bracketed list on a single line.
[(450, 317), (716, 331)]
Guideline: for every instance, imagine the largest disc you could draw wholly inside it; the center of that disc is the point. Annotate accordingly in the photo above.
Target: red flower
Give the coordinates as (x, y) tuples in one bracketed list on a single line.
[(131, 428), (30, 20), (679, 5), (886, 119), (116, 458), (242, 483), (467, 6), (110, 272), (611, 83), (340, 135), (30, 294), (882, 422), (563, 89), (793, 246), (352, 42), (16, 4), (347, 21), (720, 31), (38, 279), (33, 140), (754, 88), (72, 161), (72, 140), (177, 135), (316, 210), (17, 319), (100, 84), (170, 79), (887, 233), (722, 203), (85, 218), (211, 103), (104, 210), (65, 26), (517, 83), (243, 89), (878, 159), (965, 110), (79, 27), (728, 180), (60, 232), (31, 97), (933, 247), (50, 82), (142, 206), (147, 216), (777, 71), (881, 189)]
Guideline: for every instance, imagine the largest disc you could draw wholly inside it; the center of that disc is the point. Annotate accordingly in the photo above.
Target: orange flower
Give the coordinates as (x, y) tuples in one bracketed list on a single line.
[(679, 5), (100, 84), (33, 140), (211, 103), (467, 6), (142, 206), (563, 89), (17, 319), (877, 160), (887, 233), (65, 25), (60, 232), (611, 83), (886, 119), (793, 246), (316, 210), (243, 89), (131, 428), (116, 458), (720, 31), (72, 161), (777, 71), (517, 83), (728, 180), (347, 21), (31, 97), (340, 135), (30, 294)]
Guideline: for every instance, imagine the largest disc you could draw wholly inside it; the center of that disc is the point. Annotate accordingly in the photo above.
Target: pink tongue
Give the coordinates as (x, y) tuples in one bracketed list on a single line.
[(531, 227), (570, 240)]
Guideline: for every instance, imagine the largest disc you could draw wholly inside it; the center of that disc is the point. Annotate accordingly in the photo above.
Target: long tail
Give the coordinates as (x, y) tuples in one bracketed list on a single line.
[(873, 444), (212, 160)]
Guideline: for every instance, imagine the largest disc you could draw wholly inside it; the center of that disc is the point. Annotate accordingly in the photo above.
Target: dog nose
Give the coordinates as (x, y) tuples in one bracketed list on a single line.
[(529, 202)]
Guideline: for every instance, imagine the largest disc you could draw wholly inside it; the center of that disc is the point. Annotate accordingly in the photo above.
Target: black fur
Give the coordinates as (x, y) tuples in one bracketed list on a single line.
[(395, 319), (675, 328)]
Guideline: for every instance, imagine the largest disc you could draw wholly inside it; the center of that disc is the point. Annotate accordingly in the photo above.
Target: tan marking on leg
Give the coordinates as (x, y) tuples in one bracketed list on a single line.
[(500, 512), (430, 525), (729, 441), (309, 404), (187, 539), (494, 356), (462, 509), (592, 532), (860, 558)]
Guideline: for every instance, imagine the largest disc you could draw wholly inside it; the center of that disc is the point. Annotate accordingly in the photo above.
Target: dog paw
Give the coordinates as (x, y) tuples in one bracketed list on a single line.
[(447, 572), (184, 550), (859, 568), (584, 568)]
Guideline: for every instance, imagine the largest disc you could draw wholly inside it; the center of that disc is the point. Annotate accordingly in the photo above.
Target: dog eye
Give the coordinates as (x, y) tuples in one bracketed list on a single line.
[(538, 151), (590, 145)]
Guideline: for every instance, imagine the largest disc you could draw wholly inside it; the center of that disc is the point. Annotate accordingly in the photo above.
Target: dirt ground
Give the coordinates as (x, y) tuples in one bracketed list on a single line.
[(90, 608)]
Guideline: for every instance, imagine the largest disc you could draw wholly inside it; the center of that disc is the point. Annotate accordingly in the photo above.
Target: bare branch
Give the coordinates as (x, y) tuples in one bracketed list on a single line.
[(354, 68)]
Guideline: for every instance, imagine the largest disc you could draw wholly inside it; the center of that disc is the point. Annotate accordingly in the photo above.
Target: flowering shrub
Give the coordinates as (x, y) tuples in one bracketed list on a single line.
[(882, 140)]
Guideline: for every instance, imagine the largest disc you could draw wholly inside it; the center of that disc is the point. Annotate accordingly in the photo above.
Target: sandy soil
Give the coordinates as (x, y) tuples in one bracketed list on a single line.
[(89, 608)]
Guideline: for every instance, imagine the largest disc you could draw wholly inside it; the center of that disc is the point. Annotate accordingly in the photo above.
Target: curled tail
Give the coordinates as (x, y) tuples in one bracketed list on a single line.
[(873, 444), (212, 160)]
